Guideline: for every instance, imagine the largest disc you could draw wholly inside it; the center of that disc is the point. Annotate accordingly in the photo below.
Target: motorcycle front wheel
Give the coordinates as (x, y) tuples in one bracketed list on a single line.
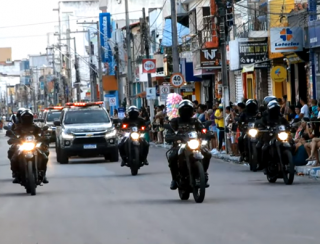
[(288, 172), (253, 160), (199, 188), (184, 194), (31, 188), (135, 161)]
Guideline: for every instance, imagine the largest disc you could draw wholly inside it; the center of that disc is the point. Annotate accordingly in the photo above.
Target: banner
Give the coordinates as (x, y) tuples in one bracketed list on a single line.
[(105, 34)]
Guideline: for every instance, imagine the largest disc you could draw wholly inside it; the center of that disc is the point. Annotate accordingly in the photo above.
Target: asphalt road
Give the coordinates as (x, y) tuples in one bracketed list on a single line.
[(92, 202)]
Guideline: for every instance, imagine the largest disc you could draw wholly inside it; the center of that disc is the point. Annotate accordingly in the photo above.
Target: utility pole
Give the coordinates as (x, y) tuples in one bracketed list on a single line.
[(224, 66), (146, 43), (91, 68), (175, 44), (117, 59), (76, 66), (100, 63), (129, 65), (68, 63)]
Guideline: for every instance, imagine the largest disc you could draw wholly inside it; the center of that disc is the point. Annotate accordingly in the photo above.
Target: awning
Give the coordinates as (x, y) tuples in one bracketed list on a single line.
[(248, 68), (167, 33), (141, 95), (182, 18)]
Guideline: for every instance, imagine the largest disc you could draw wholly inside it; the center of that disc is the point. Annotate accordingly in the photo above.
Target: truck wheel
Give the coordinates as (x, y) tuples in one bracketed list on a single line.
[(64, 159), (114, 157)]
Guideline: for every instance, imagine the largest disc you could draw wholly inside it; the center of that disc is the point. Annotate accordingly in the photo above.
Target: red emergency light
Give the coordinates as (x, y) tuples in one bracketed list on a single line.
[(83, 104), (55, 107), (124, 126), (143, 128), (204, 131)]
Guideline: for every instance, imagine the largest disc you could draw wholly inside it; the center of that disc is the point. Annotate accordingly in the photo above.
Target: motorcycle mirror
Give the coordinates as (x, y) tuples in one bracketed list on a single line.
[(45, 128)]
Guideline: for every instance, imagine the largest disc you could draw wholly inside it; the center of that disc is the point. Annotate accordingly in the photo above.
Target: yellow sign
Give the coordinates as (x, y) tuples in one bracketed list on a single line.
[(278, 74)]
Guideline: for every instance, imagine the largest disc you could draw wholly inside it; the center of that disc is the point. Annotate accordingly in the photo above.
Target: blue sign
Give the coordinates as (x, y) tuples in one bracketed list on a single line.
[(105, 35), (314, 33)]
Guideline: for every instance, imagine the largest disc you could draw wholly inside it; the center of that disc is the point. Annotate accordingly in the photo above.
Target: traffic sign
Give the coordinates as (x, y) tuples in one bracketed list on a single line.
[(164, 91), (151, 93), (112, 101), (177, 80)]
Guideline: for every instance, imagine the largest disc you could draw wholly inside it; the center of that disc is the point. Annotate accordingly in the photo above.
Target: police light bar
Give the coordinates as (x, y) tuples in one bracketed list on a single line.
[(55, 107), (83, 104)]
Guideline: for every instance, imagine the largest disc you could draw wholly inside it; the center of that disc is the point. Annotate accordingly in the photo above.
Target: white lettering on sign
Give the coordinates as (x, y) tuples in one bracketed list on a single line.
[(313, 40), (208, 55), (149, 65)]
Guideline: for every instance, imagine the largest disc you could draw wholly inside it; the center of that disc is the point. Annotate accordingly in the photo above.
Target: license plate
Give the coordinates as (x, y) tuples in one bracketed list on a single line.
[(90, 146)]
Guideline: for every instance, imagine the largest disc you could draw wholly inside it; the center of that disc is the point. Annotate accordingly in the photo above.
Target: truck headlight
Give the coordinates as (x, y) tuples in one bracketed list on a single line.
[(67, 136), (253, 132), (283, 136), (110, 134)]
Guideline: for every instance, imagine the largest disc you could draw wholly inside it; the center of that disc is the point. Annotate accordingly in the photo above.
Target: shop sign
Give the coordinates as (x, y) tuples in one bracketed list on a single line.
[(278, 74), (286, 39), (314, 33), (210, 57), (149, 66), (253, 53)]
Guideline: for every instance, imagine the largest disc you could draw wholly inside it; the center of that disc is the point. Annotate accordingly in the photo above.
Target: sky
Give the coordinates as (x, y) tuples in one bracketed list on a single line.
[(20, 28)]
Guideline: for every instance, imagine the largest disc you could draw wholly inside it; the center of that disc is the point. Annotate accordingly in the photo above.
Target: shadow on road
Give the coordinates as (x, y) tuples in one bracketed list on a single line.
[(13, 194)]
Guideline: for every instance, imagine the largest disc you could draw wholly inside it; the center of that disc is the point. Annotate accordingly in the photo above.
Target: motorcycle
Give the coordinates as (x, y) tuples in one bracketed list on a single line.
[(279, 154), (133, 137), (251, 138), (191, 176), (29, 150)]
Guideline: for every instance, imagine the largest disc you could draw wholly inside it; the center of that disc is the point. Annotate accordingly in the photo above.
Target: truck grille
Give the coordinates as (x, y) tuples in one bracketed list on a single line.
[(93, 140)]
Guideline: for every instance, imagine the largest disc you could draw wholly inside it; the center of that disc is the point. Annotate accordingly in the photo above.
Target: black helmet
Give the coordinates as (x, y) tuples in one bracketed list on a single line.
[(26, 117), (19, 112), (133, 112), (252, 106), (268, 99), (274, 109), (186, 109)]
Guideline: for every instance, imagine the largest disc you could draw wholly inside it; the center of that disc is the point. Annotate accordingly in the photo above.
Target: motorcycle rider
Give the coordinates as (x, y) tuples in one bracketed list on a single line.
[(272, 117), (133, 119), (186, 113), (23, 128), (16, 119)]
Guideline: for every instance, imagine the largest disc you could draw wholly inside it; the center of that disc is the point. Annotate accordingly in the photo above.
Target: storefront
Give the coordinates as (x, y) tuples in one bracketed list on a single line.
[(288, 61), (314, 65), (207, 67)]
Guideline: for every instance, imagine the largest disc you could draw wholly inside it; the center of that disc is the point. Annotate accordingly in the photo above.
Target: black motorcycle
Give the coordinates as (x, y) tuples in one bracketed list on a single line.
[(251, 139), (133, 136), (191, 176), (278, 153), (29, 150)]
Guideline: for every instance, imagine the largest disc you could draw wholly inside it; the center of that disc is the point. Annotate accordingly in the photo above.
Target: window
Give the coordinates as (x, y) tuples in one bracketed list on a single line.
[(86, 117), (52, 116)]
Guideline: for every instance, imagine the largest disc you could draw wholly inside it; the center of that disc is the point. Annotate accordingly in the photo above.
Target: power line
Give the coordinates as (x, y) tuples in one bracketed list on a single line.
[(50, 22)]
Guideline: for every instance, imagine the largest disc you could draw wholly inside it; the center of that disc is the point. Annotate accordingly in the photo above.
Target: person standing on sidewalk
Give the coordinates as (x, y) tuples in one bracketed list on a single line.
[(220, 125)]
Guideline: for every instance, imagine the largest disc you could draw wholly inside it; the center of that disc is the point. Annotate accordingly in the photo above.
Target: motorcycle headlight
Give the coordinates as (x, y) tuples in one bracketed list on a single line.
[(135, 136), (283, 136), (253, 132), (111, 133), (27, 146), (66, 136), (193, 144)]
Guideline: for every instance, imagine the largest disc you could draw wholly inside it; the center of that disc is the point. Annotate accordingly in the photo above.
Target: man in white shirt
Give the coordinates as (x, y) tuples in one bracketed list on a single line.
[(304, 112)]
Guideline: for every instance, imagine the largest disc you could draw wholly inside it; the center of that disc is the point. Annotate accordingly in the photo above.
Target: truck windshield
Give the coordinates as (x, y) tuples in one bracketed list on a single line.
[(52, 116), (86, 117)]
